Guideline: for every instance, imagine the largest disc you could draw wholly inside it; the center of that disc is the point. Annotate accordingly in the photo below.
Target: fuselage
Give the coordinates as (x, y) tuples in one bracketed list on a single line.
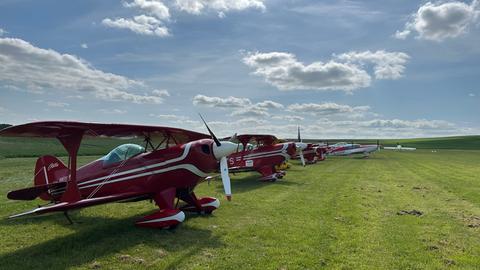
[(181, 166), (263, 156), (351, 149)]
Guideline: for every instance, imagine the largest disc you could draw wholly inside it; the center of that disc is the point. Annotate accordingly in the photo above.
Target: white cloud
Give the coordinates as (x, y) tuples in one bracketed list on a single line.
[(2, 32), (84, 45), (144, 25), (290, 118), (160, 93), (471, 95), (155, 14), (218, 102), (285, 72), (57, 104), (242, 107), (170, 117), (152, 7), (441, 20), (112, 111), (328, 109), (251, 111), (268, 104), (221, 6), (406, 124), (386, 65), (382, 128), (26, 66)]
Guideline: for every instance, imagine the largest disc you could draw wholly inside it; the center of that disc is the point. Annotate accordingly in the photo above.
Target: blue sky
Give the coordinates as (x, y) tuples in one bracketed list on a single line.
[(337, 68)]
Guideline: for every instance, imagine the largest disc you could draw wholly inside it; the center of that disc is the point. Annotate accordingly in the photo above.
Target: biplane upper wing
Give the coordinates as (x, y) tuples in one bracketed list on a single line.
[(56, 129), (263, 139), (67, 206)]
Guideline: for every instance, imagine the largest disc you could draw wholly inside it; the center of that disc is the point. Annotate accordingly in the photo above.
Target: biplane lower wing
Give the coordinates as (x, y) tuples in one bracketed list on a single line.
[(66, 206)]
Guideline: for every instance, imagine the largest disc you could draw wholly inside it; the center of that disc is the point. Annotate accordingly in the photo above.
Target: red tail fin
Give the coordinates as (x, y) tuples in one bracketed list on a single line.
[(49, 170)]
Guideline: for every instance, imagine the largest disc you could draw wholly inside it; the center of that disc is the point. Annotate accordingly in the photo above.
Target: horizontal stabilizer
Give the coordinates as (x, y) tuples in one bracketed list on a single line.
[(65, 206), (31, 193)]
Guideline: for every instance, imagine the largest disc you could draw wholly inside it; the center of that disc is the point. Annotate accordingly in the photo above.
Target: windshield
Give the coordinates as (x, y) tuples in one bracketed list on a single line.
[(122, 152)]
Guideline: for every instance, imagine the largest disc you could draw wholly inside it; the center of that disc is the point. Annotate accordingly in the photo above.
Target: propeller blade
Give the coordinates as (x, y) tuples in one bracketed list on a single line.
[(225, 178), (302, 158), (217, 142), (233, 138), (299, 139)]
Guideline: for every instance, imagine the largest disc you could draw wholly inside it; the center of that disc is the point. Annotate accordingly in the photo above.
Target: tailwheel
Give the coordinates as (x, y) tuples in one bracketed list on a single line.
[(163, 219), (207, 205)]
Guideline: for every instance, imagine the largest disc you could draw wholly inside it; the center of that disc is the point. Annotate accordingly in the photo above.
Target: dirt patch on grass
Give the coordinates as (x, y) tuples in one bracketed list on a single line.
[(130, 259), (411, 212), (472, 221)]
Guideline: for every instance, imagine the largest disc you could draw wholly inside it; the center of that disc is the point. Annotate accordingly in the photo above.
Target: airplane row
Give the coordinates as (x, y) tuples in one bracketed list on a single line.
[(166, 169)]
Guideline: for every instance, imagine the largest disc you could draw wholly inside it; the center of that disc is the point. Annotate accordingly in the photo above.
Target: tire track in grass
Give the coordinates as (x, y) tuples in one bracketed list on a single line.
[(356, 239), (466, 183), (401, 234), (444, 233)]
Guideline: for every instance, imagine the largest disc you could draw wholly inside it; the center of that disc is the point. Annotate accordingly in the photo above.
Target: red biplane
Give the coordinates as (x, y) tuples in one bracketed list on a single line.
[(162, 172), (309, 153), (263, 156)]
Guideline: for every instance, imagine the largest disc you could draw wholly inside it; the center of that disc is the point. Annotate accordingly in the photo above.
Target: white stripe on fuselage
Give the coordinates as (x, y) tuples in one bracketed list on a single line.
[(188, 167), (280, 152), (180, 158)]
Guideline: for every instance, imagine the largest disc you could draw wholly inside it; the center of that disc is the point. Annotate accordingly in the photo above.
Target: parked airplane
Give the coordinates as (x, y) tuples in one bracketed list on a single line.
[(346, 149), (400, 148), (263, 156), (307, 152), (168, 170)]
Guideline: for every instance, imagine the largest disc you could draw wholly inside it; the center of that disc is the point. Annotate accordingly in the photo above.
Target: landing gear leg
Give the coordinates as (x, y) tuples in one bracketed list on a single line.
[(68, 217), (204, 205), (167, 216)]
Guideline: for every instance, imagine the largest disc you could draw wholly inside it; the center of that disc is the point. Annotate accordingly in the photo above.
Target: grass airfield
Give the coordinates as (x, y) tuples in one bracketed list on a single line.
[(338, 214)]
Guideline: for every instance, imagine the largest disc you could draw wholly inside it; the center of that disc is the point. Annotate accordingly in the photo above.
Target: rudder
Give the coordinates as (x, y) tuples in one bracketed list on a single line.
[(49, 170)]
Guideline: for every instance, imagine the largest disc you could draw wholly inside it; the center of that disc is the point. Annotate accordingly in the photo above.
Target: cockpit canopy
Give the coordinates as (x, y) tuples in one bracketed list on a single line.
[(122, 152)]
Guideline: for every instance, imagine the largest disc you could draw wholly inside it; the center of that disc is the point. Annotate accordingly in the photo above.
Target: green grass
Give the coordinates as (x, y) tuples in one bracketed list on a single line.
[(337, 214)]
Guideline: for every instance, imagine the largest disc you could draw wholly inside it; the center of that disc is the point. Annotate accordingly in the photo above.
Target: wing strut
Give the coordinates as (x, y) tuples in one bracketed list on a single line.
[(71, 142)]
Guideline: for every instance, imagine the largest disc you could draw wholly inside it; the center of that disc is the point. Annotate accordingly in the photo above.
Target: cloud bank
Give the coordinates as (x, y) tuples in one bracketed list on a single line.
[(154, 15), (24, 66), (345, 72), (441, 20)]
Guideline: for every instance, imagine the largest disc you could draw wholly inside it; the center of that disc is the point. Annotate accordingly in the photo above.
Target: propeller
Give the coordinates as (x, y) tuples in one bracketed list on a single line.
[(225, 178), (300, 145), (220, 152), (217, 142)]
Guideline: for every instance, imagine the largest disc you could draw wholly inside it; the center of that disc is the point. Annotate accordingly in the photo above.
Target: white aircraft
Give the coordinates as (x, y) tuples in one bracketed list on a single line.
[(400, 148), (346, 149)]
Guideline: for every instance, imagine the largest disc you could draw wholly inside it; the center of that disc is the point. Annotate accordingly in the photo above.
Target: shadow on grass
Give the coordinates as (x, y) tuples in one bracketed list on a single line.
[(97, 237), (251, 182)]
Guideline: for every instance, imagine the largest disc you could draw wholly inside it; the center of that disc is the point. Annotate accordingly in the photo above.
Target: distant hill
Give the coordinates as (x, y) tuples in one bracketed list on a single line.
[(454, 142), (34, 147)]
